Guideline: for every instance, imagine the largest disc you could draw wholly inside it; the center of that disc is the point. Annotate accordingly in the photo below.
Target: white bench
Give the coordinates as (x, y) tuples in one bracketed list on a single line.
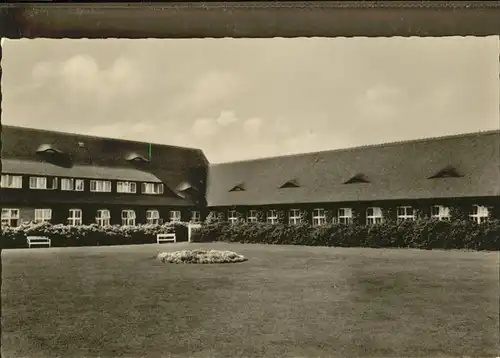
[(38, 240), (170, 237)]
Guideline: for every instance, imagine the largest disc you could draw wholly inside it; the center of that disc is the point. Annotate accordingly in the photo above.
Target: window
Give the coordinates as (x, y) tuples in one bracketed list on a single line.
[(358, 178), (10, 217), (406, 213), (294, 217), (152, 188), (344, 216), (239, 187), (43, 215), (440, 212), (479, 213), (232, 216), (100, 186), (75, 216), (128, 217), (195, 217), (373, 216), (175, 216), (125, 187), (67, 184), (252, 216), (103, 217), (153, 217), (272, 217), (38, 183), (79, 185), (11, 181), (319, 217), (290, 184)]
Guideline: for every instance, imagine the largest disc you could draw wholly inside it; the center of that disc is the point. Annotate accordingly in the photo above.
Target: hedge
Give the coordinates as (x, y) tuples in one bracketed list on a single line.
[(89, 235), (420, 234)]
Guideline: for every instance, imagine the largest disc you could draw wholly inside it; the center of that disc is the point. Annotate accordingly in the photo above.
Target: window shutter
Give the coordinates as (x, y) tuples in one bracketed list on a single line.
[(160, 189), (143, 187)]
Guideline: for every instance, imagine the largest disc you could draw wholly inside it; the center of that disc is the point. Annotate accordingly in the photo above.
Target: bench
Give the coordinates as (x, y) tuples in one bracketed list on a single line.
[(170, 237), (38, 240), (191, 228)]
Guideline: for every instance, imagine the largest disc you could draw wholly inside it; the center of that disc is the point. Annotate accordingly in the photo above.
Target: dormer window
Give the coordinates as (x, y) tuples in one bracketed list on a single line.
[(239, 187), (358, 178), (136, 158), (290, 184), (447, 172), (185, 187), (48, 149)]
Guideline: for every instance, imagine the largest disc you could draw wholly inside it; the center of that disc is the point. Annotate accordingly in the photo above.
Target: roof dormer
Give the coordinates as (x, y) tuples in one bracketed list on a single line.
[(48, 149), (239, 187), (290, 184), (357, 179), (134, 157), (447, 172)]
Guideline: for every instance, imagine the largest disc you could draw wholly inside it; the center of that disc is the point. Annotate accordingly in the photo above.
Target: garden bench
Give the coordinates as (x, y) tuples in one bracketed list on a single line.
[(38, 240), (170, 237), (192, 227)]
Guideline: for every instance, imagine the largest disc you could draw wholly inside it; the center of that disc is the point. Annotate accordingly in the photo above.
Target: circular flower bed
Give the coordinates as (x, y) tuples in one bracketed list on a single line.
[(200, 256)]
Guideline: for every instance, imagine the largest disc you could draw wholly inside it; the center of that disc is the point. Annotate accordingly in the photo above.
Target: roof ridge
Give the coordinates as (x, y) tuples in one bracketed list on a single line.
[(95, 136), (385, 144)]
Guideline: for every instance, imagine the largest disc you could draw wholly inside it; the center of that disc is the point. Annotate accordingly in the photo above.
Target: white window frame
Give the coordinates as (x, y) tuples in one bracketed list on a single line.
[(103, 217), (443, 212), (128, 187), (195, 216), (479, 214), (232, 216), (252, 216), (10, 181), (408, 213), (344, 216), (294, 217), (152, 217), (128, 217), (75, 217), (100, 186), (175, 216), (152, 188), (38, 182), (71, 184), (43, 215), (272, 216), (9, 215), (319, 217), (376, 216), (79, 185)]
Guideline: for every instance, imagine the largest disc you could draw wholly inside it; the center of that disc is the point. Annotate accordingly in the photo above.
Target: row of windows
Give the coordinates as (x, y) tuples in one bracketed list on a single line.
[(11, 217), (70, 184), (373, 215)]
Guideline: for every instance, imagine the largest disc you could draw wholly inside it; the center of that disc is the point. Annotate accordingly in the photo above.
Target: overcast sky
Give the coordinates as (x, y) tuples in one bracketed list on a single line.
[(245, 98)]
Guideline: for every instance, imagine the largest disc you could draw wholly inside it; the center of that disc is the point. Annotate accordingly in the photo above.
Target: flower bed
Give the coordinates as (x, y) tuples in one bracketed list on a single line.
[(200, 256)]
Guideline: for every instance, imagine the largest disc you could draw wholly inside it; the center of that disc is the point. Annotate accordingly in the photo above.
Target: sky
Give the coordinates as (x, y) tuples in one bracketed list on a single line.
[(239, 99)]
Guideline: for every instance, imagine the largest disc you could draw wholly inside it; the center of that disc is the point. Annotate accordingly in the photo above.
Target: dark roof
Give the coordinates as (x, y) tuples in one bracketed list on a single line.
[(170, 164), (395, 171), (13, 166)]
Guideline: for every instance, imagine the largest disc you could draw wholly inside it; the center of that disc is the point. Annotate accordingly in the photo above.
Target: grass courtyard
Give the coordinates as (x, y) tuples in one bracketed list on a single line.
[(286, 301)]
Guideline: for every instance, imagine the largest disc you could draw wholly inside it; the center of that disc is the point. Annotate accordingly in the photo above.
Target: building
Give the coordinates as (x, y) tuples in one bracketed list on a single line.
[(77, 179), (372, 183)]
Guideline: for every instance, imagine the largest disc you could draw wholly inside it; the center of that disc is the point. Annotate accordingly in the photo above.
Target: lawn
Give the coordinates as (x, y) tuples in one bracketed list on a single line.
[(286, 301)]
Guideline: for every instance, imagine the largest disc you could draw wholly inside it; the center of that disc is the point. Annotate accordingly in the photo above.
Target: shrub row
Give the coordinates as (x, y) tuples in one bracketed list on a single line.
[(421, 234), (89, 235)]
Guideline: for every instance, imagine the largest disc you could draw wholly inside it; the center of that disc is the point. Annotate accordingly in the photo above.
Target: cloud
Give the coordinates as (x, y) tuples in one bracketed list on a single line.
[(81, 75), (253, 125), (226, 118), (379, 103)]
